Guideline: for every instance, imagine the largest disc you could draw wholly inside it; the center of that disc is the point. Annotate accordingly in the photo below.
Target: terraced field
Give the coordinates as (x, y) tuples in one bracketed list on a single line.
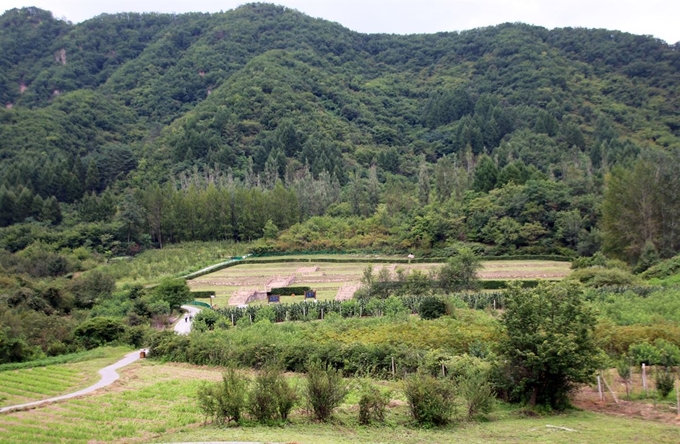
[(33, 384), (328, 277)]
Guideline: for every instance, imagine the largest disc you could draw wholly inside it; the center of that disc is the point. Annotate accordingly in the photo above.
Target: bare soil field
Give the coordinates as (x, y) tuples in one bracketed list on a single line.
[(328, 278)]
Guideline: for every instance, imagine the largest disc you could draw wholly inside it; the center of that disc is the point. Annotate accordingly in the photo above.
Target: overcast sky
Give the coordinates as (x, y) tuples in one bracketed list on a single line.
[(660, 18)]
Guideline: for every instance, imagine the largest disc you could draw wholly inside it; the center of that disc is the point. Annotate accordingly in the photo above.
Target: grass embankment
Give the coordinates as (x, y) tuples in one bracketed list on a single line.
[(329, 277), (157, 403), (36, 381)]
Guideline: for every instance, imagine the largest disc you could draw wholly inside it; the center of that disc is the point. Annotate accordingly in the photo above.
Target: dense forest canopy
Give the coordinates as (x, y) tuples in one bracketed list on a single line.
[(131, 130)]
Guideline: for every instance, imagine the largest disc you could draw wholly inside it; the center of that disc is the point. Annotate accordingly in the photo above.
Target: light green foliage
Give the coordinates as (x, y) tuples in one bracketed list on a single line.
[(224, 401), (372, 404), (460, 272), (549, 344), (265, 314), (395, 309)]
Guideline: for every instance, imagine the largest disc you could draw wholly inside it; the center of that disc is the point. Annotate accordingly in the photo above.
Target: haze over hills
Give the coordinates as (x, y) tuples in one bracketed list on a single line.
[(261, 93)]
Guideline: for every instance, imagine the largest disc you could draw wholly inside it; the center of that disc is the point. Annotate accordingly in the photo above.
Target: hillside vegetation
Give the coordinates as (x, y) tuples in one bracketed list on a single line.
[(132, 130)]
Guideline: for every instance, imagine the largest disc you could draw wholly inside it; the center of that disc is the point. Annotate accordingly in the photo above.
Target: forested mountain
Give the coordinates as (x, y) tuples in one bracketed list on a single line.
[(139, 129)]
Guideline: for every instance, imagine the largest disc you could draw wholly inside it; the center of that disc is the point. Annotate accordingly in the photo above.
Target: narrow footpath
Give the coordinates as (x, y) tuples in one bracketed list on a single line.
[(108, 374), (183, 326)]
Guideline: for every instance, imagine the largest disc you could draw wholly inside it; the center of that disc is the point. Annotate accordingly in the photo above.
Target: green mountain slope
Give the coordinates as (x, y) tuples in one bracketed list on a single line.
[(264, 93)]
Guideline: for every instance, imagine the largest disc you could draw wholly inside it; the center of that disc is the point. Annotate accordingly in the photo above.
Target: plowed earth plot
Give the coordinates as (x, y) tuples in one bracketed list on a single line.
[(333, 279)]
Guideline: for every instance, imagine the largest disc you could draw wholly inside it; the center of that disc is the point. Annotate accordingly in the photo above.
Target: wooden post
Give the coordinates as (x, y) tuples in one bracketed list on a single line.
[(644, 378), (616, 400), (494, 304), (394, 369), (321, 313), (443, 371), (232, 320), (599, 388)]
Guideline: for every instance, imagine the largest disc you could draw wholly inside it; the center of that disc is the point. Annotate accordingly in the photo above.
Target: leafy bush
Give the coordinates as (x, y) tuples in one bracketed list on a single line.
[(173, 291), (665, 381), (476, 390), (91, 287), (431, 401), (663, 269), (372, 404), (601, 277), (432, 308), (224, 401), (271, 396), (460, 272), (325, 390), (99, 331)]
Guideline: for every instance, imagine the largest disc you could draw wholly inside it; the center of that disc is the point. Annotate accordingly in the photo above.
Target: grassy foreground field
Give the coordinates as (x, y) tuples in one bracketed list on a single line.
[(156, 403), (328, 277), (33, 384)]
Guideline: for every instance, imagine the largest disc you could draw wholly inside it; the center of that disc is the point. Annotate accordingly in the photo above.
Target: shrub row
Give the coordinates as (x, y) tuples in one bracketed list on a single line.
[(360, 360), (202, 294), (289, 290)]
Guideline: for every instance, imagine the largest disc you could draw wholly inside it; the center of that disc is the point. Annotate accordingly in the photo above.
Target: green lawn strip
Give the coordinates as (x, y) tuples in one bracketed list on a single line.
[(154, 409), (589, 427)]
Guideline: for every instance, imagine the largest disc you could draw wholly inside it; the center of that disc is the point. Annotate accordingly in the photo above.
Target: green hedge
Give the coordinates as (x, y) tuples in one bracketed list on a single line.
[(289, 290), (202, 294), (200, 304), (495, 284)]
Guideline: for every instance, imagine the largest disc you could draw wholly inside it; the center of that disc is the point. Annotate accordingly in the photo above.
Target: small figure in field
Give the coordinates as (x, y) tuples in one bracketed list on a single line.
[(186, 319), (191, 318)]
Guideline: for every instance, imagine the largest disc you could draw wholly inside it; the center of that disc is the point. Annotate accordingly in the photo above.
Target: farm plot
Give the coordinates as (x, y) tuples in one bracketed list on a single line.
[(33, 384), (328, 278)]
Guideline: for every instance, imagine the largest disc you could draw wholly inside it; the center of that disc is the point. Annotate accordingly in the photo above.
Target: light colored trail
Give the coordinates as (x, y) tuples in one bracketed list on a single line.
[(183, 326), (108, 374)]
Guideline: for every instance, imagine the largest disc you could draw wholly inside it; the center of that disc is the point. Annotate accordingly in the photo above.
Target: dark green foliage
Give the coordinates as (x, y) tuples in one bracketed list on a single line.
[(549, 343), (91, 287), (289, 290), (325, 390), (665, 381), (173, 291), (99, 331), (431, 308), (431, 401), (202, 294), (648, 258)]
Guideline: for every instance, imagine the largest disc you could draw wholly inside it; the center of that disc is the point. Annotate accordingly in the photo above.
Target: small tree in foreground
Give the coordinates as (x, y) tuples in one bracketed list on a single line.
[(372, 404), (325, 390), (548, 345), (271, 396), (431, 401), (224, 401)]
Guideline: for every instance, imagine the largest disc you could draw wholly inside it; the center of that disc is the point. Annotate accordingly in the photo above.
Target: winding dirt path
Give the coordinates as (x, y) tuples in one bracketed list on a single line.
[(108, 374)]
